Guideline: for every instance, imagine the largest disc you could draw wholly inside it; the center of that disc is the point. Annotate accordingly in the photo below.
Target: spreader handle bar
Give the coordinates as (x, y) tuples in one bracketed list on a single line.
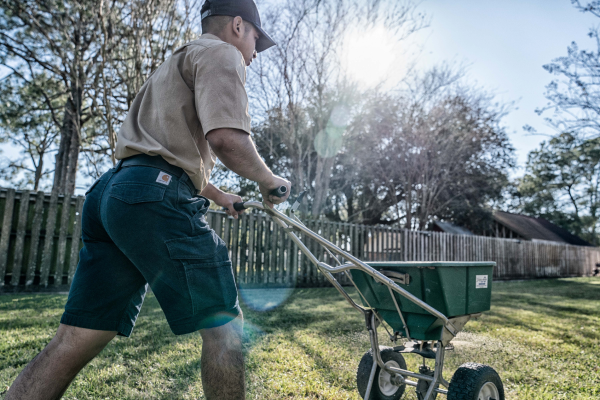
[(278, 192), (355, 263)]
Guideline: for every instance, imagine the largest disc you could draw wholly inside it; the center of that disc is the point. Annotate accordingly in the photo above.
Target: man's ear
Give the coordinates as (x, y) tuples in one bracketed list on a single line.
[(238, 26)]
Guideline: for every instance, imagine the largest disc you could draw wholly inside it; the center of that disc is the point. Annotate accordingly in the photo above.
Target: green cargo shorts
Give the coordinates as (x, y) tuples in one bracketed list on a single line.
[(144, 225)]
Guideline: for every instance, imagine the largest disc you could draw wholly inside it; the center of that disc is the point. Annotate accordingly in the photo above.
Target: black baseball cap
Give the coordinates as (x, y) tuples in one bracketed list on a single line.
[(242, 8)]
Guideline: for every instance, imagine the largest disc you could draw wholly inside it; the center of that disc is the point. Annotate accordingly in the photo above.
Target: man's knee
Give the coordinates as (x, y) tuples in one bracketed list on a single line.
[(87, 342), (230, 333)]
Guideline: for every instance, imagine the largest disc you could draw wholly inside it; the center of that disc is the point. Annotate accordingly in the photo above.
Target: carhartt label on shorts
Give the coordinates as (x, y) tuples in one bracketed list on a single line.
[(481, 281), (163, 178)]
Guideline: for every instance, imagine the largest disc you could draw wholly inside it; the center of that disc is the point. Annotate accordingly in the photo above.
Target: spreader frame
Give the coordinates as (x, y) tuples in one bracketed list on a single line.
[(451, 325)]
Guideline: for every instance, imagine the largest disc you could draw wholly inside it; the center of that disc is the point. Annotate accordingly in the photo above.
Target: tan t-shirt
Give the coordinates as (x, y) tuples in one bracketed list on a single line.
[(198, 89)]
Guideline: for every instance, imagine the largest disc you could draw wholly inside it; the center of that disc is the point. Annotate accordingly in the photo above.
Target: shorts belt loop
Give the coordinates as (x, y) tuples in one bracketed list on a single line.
[(118, 166)]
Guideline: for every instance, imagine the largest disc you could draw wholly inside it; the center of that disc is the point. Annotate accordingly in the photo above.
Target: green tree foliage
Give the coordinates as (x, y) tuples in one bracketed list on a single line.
[(561, 184)]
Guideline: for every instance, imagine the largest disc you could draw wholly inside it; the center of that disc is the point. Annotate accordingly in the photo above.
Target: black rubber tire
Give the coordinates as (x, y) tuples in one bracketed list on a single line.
[(364, 371), (468, 380)]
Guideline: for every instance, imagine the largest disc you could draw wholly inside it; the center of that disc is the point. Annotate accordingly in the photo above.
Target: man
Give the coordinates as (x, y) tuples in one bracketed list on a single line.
[(143, 221)]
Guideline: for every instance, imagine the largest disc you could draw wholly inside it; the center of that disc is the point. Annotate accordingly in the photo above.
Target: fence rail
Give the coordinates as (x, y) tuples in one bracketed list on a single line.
[(37, 251)]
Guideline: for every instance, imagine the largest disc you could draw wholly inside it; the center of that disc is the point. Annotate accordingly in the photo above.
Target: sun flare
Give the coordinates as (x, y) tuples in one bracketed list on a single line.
[(372, 57)]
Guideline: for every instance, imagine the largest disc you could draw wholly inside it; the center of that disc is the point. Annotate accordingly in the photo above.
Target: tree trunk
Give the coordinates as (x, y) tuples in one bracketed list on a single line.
[(349, 192), (322, 181), (65, 171), (408, 204), (39, 168)]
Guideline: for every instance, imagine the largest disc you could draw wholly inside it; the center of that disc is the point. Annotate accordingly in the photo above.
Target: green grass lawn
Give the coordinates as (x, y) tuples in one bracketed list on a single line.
[(543, 338)]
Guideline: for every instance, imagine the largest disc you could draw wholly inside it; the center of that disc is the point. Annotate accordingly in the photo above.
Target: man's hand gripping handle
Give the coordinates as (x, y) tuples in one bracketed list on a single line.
[(278, 192)]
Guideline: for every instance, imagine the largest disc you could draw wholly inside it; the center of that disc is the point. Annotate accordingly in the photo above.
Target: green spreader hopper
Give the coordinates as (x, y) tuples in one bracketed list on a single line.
[(456, 289)]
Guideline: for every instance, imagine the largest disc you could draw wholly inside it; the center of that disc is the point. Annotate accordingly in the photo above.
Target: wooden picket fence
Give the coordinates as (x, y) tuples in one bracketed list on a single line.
[(37, 251)]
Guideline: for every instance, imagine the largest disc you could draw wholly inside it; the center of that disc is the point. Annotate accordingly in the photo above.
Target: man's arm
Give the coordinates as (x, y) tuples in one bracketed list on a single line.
[(211, 192), (222, 199), (236, 151)]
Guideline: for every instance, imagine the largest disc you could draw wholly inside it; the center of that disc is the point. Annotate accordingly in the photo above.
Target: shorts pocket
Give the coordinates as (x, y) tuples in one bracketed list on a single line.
[(201, 247), (134, 193), (211, 285), (208, 271)]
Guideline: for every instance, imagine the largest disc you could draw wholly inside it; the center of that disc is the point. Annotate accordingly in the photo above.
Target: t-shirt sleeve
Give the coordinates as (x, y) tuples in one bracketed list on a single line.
[(220, 95)]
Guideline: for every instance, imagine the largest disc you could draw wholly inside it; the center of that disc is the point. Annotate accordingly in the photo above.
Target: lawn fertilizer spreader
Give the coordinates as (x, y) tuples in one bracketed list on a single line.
[(425, 303)]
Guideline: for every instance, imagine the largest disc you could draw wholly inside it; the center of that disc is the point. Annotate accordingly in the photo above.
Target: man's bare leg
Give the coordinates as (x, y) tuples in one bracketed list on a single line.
[(222, 362), (50, 373)]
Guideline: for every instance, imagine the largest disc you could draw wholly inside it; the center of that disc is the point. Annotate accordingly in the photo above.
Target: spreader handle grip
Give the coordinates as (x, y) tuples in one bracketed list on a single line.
[(238, 206), (279, 192)]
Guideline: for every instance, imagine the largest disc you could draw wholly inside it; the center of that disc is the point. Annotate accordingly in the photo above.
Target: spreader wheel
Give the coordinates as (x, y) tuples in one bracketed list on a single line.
[(473, 381), (383, 386)]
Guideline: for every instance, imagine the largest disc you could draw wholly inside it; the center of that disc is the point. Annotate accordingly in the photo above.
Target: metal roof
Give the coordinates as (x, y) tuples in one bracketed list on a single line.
[(451, 228), (532, 228)]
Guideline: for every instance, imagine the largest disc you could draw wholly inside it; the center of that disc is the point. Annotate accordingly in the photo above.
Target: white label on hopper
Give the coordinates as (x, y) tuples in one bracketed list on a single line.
[(481, 281)]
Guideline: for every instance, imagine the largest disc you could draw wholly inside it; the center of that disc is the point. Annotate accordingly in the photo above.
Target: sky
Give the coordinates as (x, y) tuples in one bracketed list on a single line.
[(505, 44)]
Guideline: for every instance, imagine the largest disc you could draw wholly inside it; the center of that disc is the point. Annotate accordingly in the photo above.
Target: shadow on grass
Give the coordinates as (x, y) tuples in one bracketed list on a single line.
[(325, 368), (312, 308)]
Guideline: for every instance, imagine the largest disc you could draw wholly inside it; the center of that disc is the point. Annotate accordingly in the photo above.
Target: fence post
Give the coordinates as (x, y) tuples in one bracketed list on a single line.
[(36, 225), (6, 228), (251, 277), (289, 262), (48, 240), (62, 239), (20, 240), (234, 240), (244, 248)]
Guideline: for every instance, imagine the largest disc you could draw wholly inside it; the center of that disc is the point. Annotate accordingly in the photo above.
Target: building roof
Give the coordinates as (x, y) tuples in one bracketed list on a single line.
[(532, 228), (451, 228)]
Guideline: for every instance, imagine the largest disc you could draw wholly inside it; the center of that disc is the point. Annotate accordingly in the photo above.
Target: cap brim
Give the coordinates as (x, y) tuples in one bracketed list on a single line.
[(264, 41)]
